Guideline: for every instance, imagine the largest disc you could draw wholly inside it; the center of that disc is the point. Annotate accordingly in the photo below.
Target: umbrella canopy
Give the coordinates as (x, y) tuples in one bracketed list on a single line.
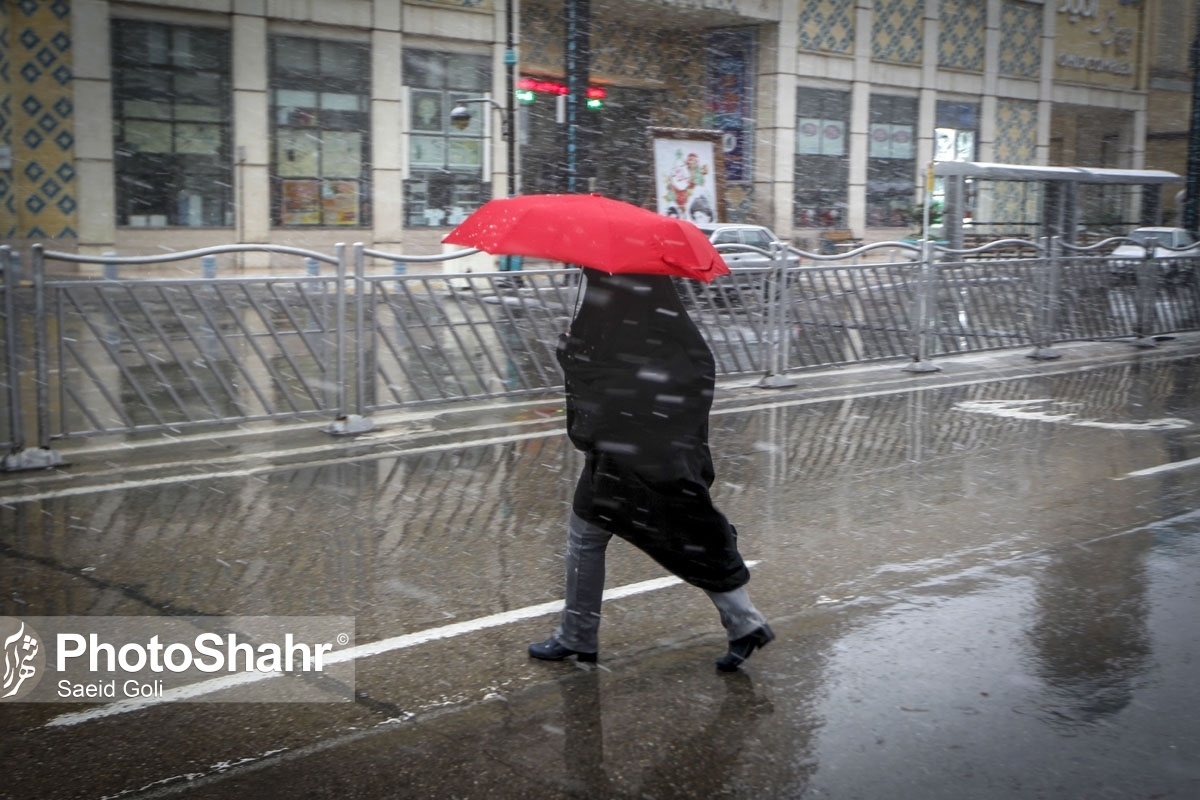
[(591, 231)]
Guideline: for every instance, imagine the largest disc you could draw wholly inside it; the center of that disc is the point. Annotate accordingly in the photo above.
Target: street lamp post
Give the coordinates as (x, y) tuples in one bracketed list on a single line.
[(460, 117)]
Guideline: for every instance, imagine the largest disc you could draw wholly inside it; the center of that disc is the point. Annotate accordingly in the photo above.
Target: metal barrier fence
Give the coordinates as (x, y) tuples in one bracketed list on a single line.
[(131, 355)]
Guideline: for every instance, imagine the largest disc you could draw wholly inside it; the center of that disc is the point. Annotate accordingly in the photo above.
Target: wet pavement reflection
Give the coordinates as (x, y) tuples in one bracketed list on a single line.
[(982, 588)]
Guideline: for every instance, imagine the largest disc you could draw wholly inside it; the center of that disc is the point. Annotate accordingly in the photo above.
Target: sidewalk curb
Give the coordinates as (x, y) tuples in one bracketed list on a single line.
[(396, 432)]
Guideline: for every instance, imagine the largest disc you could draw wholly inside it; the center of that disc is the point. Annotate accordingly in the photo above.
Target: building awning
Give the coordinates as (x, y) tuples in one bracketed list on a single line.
[(1020, 172)]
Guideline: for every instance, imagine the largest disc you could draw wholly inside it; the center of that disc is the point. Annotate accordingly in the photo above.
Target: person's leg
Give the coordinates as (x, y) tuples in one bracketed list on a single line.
[(578, 630), (738, 614), (745, 627)]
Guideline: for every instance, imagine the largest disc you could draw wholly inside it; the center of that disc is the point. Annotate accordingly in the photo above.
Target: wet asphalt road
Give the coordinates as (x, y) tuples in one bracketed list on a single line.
[(983, 582)]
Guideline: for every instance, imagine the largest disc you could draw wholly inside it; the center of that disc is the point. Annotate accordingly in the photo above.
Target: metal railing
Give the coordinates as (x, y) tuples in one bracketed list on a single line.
[(151, 354)]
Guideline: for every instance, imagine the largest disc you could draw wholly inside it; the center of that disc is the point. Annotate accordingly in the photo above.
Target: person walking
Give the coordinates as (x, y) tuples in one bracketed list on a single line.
[(639, 389)]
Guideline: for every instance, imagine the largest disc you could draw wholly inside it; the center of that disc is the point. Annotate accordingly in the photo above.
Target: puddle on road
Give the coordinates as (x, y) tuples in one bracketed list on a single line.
[(1071, 674)]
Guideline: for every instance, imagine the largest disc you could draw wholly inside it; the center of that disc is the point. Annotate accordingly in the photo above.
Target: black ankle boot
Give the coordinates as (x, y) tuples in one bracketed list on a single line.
[(741, 648), (554, 650)]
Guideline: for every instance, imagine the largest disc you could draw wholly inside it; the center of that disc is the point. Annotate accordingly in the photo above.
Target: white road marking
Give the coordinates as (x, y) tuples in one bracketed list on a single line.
[(1044, 410), (272, 466), (368, 650), (1169, 467)]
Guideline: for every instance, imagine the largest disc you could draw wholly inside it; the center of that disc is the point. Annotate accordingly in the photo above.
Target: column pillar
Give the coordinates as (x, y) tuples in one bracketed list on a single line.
[(251, 132), (860, 116), (94, 165), (774, 156), (387, 126)]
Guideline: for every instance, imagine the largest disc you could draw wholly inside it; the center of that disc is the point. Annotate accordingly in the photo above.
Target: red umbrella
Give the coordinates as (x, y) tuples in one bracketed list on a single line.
[(591, 231)]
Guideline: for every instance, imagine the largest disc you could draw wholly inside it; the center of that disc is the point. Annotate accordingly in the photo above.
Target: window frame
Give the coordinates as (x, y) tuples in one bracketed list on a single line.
[(439, 195), (314, 193), (821, 181), (199, 183), (886, 205)]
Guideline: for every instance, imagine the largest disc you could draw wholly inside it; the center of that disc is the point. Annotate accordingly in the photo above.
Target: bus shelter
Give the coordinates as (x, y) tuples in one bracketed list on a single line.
[(985, 201)]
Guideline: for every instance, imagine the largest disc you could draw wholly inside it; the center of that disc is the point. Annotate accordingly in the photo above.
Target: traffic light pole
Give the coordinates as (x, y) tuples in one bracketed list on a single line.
[(578, 58), (510, 63), (1191, 204)]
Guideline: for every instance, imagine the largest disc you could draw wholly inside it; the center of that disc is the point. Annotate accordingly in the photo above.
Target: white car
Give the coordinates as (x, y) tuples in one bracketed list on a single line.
[(1168, 242), (1175, 249), (731, 233)]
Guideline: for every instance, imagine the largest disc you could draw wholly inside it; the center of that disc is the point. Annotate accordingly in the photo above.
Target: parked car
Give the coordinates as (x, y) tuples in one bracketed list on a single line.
[(1175, 249), (748, 267), (731, 233)]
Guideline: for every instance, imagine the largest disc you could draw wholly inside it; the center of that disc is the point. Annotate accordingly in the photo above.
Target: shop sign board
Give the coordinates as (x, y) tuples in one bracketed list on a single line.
[(1098, 42)]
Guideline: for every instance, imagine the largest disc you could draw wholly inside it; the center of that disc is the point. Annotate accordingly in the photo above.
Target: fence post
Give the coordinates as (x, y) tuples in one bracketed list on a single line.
[(208, 267), (920, 355), (41, 457), (1046, 316), (1147, 283), (12, 349), (111, 271), (345, 423), (778, 335)]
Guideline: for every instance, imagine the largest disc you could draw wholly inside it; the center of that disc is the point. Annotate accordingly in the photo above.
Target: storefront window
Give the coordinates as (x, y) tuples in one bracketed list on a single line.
[(171, 120), (891, 162), (446, 181), (956, 138), (320, 161), (822, 158)]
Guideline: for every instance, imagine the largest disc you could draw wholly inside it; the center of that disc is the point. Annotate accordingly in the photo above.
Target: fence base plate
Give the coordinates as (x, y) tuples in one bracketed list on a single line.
[(922, 366), (776, 382), (1045, 354), (350, 424), (33, 458)]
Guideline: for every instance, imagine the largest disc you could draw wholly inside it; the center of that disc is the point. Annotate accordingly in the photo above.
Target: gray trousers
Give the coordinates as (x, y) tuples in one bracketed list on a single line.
[(579, 627)]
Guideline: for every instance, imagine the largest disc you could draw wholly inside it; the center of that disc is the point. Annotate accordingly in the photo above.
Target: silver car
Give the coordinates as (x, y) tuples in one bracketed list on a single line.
[(1175, 249), (732, 233)]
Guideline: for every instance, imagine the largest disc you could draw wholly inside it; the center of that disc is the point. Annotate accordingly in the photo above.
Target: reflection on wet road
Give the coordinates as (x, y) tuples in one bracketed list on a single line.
[(983, 589)]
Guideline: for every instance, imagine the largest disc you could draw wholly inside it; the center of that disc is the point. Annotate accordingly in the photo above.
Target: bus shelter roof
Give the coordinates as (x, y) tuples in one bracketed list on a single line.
[(1025, 172)]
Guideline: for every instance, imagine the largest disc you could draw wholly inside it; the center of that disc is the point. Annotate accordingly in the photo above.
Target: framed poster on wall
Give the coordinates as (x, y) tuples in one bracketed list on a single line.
[(339, 202), (300, 202), (689, 173)]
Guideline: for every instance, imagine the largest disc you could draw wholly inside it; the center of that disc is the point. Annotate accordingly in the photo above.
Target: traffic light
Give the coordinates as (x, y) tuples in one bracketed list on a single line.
[(529, 88), (595, 98)]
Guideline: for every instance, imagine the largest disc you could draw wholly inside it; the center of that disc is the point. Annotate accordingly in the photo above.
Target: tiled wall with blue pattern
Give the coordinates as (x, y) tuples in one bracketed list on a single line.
[(898, 33), (8, 208), (37, 120), (1020, 39), (1016, 131), (1016, 143), (827, 26), (961, 34)]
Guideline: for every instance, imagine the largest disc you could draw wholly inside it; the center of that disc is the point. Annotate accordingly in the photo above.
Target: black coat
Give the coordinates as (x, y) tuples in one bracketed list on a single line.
[(639, 381)]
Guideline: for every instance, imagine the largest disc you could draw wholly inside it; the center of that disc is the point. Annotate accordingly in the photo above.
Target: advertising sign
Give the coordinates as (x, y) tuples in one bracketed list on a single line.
[(687, 173), (730, 82), (301, 202)]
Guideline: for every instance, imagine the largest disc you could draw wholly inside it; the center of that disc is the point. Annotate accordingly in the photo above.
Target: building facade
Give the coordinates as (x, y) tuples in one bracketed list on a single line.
[(136, 126)]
